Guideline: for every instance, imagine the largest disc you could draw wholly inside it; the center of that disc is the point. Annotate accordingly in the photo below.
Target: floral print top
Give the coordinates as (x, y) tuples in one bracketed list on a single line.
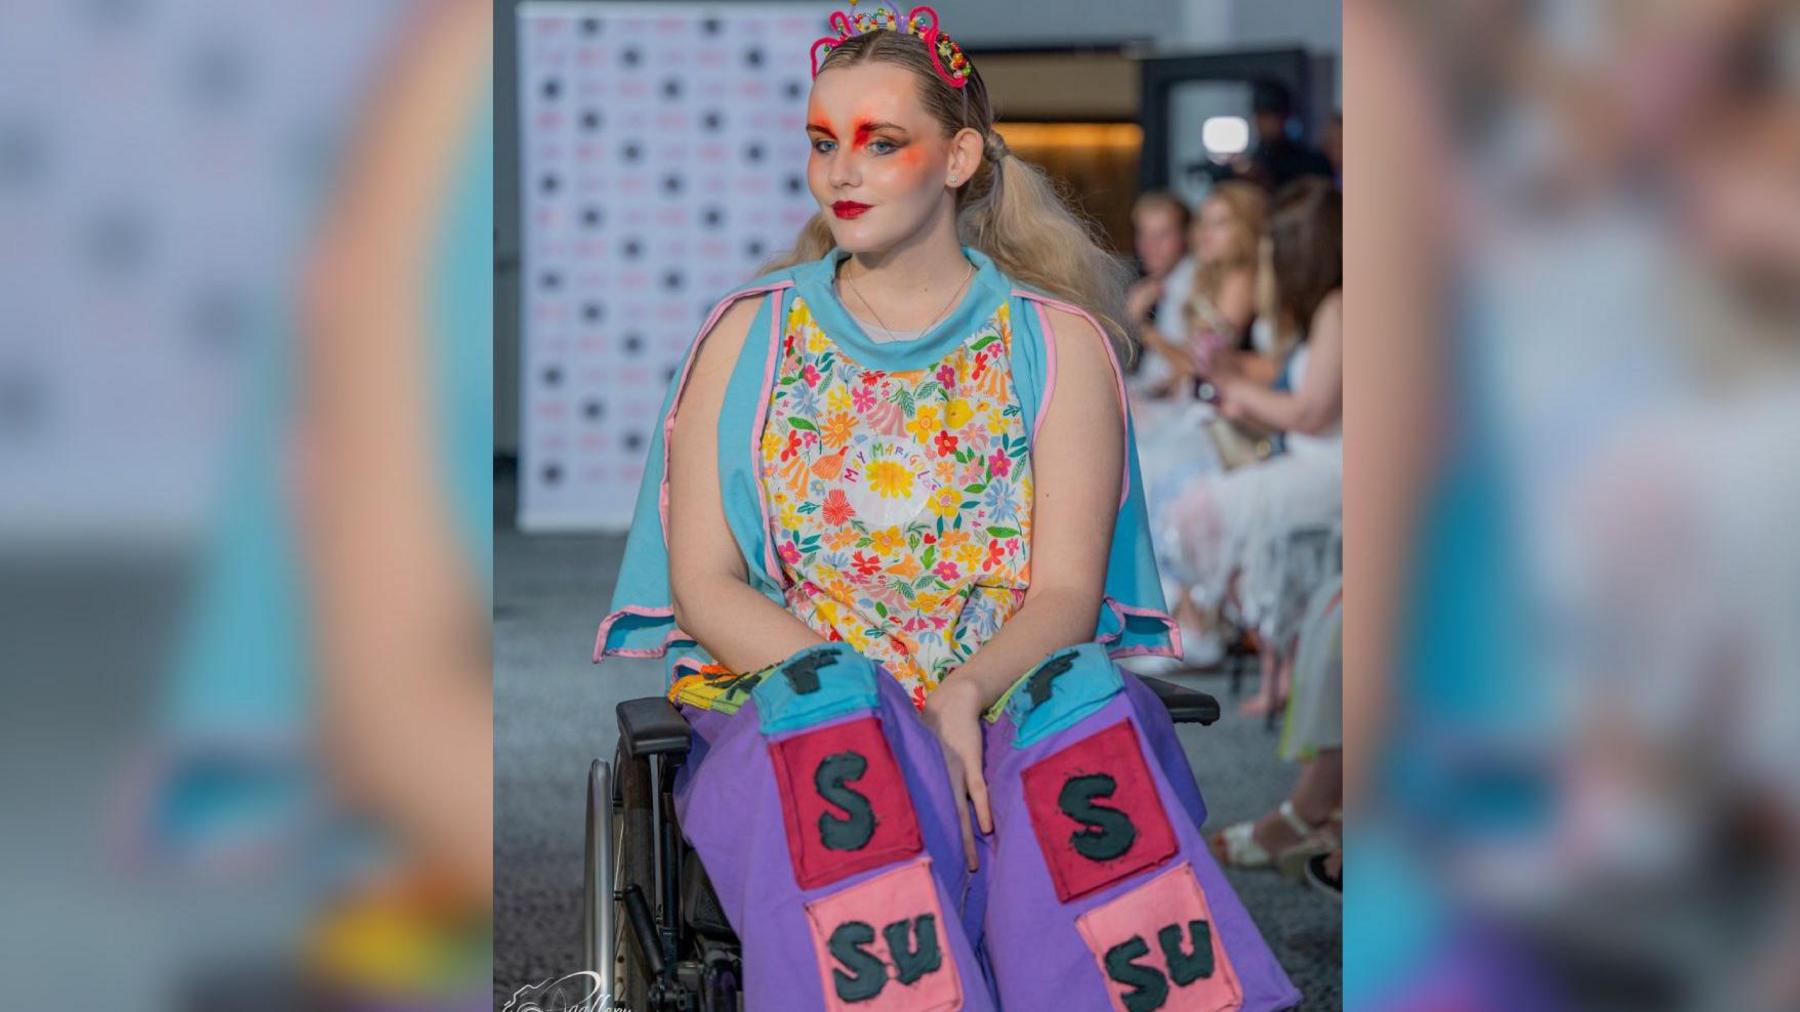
[(900, 502)]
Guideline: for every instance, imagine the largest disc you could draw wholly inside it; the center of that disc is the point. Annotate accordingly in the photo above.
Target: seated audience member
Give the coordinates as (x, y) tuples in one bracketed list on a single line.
[(1178, 434), (1160, 223), (1228, 534)]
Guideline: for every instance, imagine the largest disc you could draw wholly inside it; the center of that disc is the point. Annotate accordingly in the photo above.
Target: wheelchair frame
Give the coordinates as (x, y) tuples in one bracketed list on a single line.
[(652, 936)]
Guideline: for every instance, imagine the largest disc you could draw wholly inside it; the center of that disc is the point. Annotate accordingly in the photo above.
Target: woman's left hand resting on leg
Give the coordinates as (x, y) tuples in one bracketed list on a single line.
[(953, 713), (1077, 461)]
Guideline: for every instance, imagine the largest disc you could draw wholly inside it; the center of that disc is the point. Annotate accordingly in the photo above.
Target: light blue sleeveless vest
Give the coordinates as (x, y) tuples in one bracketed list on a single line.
[(641, 621)]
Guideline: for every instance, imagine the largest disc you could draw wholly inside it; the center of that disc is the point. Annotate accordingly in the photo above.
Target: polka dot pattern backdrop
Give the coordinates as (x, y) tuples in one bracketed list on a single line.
[(663, 159), (162, 169)]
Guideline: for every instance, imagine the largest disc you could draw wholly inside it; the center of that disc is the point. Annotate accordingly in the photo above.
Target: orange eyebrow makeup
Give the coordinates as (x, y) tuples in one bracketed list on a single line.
[(864, 132), (866, 128)]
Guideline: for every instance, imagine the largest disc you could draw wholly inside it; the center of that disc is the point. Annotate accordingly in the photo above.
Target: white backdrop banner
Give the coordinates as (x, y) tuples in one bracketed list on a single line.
[(163, 167), (663, 158)]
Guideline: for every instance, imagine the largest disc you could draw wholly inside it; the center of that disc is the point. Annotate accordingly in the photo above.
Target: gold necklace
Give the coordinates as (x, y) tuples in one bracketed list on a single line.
[(941, 313)]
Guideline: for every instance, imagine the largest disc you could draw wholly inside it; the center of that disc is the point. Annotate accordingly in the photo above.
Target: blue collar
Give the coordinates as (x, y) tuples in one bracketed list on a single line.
[(988, 289)]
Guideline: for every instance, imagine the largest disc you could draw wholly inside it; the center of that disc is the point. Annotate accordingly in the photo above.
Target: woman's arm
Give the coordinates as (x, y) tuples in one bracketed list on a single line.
[(714, 602), (1255, 367), (1181, 362), (1139, 303), (1318, 404), (405, 704)]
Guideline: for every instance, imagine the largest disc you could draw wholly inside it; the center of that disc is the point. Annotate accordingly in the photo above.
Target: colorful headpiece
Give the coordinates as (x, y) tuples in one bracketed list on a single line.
[(946, 56)]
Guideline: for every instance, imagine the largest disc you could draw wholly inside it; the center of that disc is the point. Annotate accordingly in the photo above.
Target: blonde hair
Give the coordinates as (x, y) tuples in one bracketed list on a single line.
[(1249, 211), (1009, 209)]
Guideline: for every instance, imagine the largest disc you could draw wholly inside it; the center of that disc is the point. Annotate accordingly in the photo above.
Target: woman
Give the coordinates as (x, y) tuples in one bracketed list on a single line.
[(1214, 324), (897, 491), (1161, 224), (1234, 530), (1216, 318)]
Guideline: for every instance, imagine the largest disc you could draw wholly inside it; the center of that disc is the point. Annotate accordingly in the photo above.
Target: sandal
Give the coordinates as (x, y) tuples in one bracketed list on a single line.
[(1235, 846), (1320, 839)]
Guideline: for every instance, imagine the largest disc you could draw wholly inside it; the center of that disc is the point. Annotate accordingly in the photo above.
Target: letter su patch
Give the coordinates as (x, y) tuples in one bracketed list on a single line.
[(1157, 948), (844, 801), (1096, 812), (883, 945)]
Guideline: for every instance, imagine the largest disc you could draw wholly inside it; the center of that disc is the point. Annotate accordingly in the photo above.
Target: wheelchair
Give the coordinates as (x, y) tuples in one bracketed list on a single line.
[(652, 925)]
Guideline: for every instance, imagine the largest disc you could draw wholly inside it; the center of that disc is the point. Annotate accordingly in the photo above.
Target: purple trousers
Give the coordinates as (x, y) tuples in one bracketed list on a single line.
[(823, 814)]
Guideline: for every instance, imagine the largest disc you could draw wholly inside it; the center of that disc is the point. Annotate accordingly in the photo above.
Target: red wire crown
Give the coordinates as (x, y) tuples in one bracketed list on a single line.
[(946, 56)]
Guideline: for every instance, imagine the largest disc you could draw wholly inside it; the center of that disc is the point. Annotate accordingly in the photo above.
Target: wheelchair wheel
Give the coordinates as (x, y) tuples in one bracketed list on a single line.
[(634, 856)]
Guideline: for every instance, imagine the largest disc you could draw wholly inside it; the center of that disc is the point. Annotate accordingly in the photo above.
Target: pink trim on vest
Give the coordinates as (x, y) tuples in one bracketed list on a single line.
[(606, 624), (687, 365), (776, 326), (1120, 610), (662, 496), (1049, 372), (1039, 301)]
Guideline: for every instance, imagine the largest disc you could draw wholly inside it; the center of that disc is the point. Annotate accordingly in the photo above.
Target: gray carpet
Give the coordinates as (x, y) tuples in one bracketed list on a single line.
[(553, 715)]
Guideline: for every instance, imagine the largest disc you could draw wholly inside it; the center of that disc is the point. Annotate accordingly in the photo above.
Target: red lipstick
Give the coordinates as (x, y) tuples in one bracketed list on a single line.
[(848, 208)]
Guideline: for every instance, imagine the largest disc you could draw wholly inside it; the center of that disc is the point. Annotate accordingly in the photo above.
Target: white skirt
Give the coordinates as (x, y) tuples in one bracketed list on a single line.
[(1274, 525)]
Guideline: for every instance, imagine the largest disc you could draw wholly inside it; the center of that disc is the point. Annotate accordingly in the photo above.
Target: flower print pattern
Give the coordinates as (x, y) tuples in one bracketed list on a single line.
[(900, 500), (837, 508)]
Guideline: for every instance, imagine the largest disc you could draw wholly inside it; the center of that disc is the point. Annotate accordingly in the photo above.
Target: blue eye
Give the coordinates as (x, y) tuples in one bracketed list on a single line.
[(818, 146), (890, 145)]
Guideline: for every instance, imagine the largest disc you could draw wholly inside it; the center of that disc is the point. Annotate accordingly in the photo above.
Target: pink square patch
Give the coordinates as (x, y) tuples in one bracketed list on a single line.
[(1158, 949), (883, 945)]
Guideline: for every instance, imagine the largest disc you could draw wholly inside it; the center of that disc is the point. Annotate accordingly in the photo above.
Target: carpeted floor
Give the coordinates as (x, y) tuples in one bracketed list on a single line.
[(553, 715)]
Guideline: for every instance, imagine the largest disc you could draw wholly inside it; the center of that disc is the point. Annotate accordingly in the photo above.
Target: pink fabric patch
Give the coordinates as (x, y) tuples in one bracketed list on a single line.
[(1096, 812), (845, 801), (884, 946), (1156, 945)]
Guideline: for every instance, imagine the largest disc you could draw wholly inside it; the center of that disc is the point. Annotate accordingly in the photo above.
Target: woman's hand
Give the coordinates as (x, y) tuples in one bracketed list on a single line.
[(953, 712), (1141, 298), (1230, 404), (1210, 351)]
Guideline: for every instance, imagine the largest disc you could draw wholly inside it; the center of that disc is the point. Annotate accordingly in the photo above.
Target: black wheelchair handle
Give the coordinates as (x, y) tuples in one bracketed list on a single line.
[(637, 908)]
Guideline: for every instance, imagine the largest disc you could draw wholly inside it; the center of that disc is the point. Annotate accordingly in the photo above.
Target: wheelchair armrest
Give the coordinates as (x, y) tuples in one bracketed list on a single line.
[(652, 726), (1185, 705)]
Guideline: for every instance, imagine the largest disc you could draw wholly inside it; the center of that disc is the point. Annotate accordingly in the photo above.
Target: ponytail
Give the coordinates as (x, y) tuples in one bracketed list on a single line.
[(1014, 213), (1010, 210)]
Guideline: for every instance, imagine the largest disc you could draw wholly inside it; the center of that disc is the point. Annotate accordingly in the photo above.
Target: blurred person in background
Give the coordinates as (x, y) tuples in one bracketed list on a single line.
[(1229, 533), (1232, 533), (1588, 734), (1216, 318), (1160, 227), (1675, 569), (1332, 145), (395, 486), (370, 497), (1181, 436), (1278, 158), (1303, 836)]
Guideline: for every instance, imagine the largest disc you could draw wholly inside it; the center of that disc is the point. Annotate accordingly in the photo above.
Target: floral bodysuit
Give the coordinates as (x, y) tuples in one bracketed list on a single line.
[(900, 501)]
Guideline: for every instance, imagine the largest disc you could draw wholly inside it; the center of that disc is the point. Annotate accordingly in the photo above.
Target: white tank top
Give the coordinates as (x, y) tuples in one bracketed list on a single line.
[(1327, 444)]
